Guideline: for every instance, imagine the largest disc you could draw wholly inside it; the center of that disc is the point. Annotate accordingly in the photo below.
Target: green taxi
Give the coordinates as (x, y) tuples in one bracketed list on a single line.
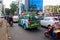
[(29, 21)]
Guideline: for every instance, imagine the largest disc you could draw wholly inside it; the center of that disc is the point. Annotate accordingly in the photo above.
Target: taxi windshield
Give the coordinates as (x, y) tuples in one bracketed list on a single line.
[(56, 19), (34, 18)]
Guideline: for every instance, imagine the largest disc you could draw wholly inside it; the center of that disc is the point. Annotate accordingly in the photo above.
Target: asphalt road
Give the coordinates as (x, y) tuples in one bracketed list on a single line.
[(18, 33)]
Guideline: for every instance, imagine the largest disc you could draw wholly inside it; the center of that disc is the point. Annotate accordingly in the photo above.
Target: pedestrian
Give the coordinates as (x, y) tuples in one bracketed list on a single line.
[(10, 20)]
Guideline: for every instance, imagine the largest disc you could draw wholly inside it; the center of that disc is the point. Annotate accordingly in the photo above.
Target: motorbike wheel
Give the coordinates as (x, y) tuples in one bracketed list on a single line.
[(11, 24), (46, 35)]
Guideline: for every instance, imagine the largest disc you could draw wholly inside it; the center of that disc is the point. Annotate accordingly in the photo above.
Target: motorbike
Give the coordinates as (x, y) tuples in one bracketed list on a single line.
[(10, 23), (54, 34)]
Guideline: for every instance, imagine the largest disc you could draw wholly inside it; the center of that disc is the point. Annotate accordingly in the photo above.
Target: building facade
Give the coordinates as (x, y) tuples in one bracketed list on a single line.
[(51, 4), (40, 4), (36, 4), (17, 1), (52, 9), (32, 4)]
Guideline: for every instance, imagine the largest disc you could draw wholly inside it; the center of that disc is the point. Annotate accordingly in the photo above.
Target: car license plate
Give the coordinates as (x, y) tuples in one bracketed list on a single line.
[(33, 24)]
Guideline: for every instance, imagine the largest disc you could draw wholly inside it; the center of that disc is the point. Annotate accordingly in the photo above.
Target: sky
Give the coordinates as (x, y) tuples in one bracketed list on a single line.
[(7, 3), (51, 2), (45, 2)]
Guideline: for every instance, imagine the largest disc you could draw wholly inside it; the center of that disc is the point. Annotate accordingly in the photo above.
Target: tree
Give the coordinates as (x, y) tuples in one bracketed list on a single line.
[(3, 11), (13, 8), (7, 11)]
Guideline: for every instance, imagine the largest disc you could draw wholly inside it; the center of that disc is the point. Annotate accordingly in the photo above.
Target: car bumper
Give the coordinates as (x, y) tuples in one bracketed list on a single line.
[(33, 26)]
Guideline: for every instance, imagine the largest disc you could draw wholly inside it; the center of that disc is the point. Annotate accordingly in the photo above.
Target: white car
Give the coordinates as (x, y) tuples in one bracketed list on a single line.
[(49, 21), (15, 18)]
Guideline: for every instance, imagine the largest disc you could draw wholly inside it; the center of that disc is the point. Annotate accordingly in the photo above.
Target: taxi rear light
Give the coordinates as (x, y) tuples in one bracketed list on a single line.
[(28, 22), (56, 23)]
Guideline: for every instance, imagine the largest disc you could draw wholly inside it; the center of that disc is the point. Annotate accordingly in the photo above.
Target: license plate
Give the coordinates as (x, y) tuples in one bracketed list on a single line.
[(34, 24)]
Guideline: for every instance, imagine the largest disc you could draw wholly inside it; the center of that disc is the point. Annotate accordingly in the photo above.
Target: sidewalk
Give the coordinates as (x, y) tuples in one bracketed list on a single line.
[(4, 31)]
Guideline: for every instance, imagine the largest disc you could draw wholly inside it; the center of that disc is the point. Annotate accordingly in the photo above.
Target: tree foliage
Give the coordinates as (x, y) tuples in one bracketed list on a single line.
[(13, 8), (7, 11)]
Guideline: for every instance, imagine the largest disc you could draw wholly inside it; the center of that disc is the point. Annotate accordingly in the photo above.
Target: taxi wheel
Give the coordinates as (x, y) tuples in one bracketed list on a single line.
[(25, 27), (36, 28), (18, 24)]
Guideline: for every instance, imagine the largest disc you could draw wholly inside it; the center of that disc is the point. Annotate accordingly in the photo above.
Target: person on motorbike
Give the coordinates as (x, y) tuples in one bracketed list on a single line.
[(10, 20), (51, 32)]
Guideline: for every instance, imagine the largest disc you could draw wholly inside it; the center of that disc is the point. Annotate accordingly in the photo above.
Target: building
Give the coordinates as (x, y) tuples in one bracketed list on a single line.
[(39, 4), (52, 9), (49, 4), (1, 5), (32, 4), (14, 2), (17, 1)]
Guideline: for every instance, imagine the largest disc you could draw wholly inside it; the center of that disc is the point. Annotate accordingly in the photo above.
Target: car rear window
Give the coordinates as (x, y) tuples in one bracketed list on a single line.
[(56, 19), (47, 19), (34, 18)]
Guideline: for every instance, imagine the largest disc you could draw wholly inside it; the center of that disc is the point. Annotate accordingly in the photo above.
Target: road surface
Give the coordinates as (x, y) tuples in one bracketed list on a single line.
[(18, 33)]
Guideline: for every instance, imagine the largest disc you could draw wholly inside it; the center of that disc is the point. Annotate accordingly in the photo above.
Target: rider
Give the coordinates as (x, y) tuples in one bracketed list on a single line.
[(51, 32), (10, 20)]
